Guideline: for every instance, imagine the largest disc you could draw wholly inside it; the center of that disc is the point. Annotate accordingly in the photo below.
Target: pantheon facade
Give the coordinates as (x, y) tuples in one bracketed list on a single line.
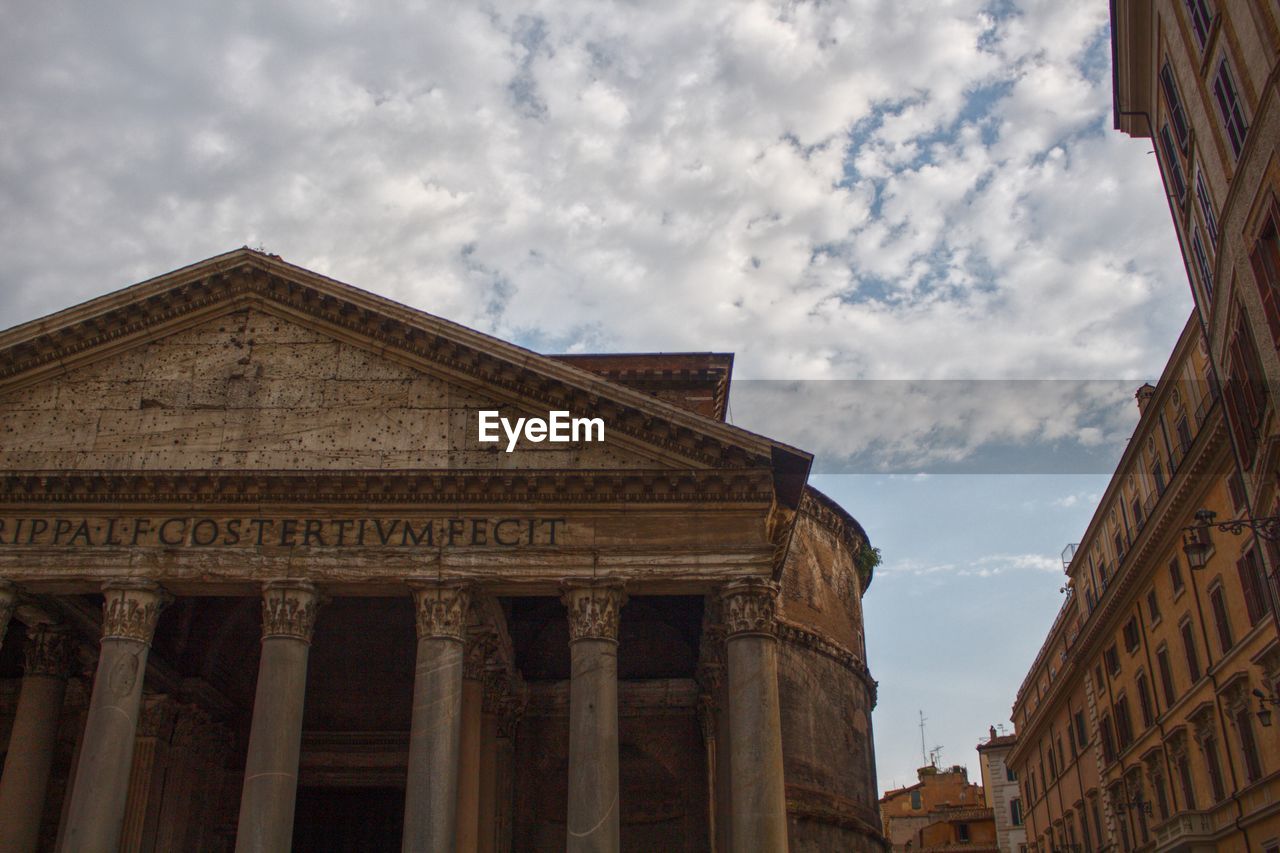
[(263, 588)]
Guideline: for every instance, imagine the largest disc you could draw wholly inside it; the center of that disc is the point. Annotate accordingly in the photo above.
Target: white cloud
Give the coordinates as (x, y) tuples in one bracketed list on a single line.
[(867, 189)]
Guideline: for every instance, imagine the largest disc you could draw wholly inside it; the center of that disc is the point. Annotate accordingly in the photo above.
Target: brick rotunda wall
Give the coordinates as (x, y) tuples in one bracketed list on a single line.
[(826, 689)]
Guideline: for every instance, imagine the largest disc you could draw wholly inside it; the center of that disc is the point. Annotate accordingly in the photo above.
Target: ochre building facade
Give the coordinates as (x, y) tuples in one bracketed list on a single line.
[(1139, 725), (262, 588)]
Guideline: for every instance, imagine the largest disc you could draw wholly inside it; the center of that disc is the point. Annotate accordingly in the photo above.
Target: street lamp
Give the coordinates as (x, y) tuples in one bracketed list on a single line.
[(1197, 539), (1264, 713)]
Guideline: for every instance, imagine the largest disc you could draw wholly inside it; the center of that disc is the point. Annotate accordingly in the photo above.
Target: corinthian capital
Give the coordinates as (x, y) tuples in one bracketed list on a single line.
[(441, 609), (48, 651), (289, 609), (593, 607), (748, 607), (131, 608)]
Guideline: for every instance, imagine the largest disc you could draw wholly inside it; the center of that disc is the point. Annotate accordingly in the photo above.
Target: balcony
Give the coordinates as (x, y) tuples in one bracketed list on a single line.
[(1184, 828)]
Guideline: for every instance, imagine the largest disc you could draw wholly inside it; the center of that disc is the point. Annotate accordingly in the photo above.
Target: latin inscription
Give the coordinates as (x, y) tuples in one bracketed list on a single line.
[(193, 531)]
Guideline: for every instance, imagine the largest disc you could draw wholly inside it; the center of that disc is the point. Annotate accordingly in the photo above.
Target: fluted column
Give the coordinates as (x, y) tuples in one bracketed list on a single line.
[(593, 824), (431, 790), (8, 603), (96, 812), (275, 739), (758, 790), (34, 735)]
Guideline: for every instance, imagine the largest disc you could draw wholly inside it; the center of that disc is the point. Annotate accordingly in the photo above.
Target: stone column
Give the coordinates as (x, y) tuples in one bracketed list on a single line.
[(275, 737), (593, 825), (8, 603), (758, 790), (96, 813), (431, 790), (495, 688), (149, 776), (473, 662), (33, 738)]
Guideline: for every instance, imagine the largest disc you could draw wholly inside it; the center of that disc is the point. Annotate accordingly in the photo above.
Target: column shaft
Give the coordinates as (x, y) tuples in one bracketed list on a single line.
[(275, 738), (593, 822), (488, 808), (468, 829), (431, 789), (758, 788), (25, 782), (96, 813)]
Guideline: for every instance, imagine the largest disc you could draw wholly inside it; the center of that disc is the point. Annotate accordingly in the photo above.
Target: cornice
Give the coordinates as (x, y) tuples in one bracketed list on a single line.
[(830, 516), (744, 486), (823, 807), (243, 276), (795, 634)]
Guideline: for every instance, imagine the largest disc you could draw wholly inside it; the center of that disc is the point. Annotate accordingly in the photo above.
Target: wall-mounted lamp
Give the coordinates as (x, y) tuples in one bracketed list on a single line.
[(1264, 713), (1197, 540)]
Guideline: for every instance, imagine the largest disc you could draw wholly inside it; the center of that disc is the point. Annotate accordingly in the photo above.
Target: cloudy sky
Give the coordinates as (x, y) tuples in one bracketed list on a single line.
[(863, 190)]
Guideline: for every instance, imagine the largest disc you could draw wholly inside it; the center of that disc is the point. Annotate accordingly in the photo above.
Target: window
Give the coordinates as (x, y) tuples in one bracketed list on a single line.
[(1184, 433), (1108, 739), (1071, 738), (1201, 16), (1189, 649), (1207, 211), (1248, 746), (1162, 797), (1010, 774), (1204, 269), (1253, 583), (1177, 115), (1183, 765), (1082, 736), (962, 832), (1015, 811), (1175, 575), (1157, 474), (1245, 390), (1235, 485), (1124, 722), (1172, 165), (915, 799), (1232, 111), (1219, 606), (1212, 764), (1112, 659), (1118, 541), (1053, 766), (1135, 507), (1144, 700), (1131, 635), (1166, 676), (1265, 258), (1153, 607)]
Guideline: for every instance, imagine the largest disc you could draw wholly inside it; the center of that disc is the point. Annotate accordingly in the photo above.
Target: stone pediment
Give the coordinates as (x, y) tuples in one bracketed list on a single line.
[(246, 363)]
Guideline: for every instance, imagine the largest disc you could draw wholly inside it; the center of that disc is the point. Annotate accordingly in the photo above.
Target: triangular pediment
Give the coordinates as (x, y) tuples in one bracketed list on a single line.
[(244, 362)]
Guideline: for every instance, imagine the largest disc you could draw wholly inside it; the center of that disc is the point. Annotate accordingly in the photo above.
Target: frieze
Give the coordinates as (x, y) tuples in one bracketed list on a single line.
[(749, 607), (191, 531), (441, 609), (593, 609), (130, 610), (254, 487), (47, 652), (289, 609)]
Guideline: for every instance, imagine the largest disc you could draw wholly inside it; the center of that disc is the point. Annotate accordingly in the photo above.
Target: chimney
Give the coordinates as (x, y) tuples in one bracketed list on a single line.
[(1144, 393), (993, 732)]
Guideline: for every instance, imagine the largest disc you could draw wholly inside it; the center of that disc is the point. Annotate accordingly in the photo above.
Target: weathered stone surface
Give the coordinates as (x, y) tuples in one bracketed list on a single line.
[(254, 390)]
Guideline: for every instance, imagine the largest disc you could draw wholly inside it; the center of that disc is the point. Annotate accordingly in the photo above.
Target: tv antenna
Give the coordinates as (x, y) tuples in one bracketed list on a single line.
[(924, 757)]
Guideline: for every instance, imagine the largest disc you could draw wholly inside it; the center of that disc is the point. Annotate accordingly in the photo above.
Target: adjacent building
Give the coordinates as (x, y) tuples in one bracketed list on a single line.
[(942, 811), (1000, 785), (1199, 78), (1144, 722), (262, 586)]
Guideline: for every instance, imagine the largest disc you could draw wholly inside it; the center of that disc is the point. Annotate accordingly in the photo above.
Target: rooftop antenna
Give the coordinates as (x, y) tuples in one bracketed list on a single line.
[(924, 757), (935, 757)]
